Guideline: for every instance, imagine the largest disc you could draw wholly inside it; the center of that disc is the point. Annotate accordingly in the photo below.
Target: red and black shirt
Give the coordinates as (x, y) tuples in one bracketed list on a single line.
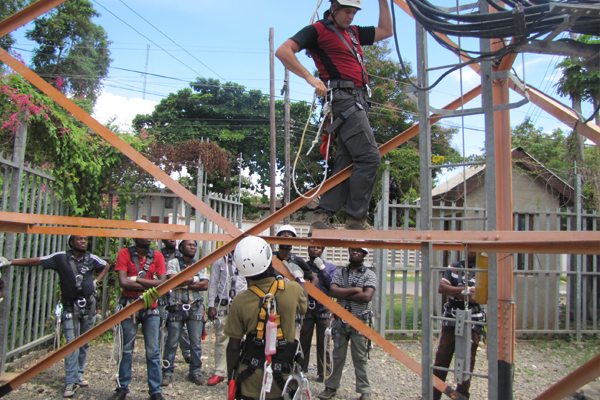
[(332, 57)]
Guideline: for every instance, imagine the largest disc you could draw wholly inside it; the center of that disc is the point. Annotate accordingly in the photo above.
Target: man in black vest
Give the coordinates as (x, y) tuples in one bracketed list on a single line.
[(75, 270), (335, 47)]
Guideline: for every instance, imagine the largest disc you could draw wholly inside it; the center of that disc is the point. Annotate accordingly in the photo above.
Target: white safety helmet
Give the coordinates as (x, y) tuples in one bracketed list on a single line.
[(365, 250), (252, 256), (287, 228), (349, 3)]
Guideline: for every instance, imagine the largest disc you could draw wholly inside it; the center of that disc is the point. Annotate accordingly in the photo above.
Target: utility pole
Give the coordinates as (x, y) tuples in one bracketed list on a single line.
[(146, 72), (272, 119), (287, 169)]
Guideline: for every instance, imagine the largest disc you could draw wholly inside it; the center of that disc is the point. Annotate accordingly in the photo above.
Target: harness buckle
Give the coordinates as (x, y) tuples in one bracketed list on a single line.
[(81, 303), (185, 307), (142, 274), (311, 305)]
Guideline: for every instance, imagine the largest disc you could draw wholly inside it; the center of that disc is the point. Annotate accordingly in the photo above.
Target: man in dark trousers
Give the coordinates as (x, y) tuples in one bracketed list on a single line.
[(268, 300), (354, 287), (75, 268), (140, 268), (335, 46), (317, 315), (453, 286), (169, 251)]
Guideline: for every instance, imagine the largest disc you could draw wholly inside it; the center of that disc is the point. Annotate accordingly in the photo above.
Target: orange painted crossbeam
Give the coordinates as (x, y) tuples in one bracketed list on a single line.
[(26, 15), (118, 143), (32, 219), (575, 380), (543, 247)]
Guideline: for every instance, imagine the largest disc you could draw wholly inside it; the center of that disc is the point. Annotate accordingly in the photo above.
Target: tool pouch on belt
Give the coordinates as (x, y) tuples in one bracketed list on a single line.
[(253, 356)]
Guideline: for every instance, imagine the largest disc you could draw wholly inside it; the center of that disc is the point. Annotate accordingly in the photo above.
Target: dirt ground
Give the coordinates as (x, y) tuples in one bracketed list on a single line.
[(539, 365)]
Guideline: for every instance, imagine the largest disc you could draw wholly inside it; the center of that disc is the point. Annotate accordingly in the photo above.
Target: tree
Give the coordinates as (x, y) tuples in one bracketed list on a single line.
[(552, 150), (580, 84), (73, 52), (235, 119), (8, 8)]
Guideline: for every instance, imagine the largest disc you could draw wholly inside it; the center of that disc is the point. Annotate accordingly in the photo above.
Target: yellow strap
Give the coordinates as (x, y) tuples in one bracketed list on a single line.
[(278, 284)]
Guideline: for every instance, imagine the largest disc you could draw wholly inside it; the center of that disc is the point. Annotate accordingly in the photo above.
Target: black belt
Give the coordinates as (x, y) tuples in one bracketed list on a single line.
[(340, 84)]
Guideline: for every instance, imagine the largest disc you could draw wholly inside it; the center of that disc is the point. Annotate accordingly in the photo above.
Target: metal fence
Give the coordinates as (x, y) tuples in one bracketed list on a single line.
[(555, 294), (30, 293)]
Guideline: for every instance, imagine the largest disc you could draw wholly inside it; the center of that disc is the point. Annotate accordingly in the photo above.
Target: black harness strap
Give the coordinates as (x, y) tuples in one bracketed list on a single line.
[(149, 260), (343, 117), (77, 273)]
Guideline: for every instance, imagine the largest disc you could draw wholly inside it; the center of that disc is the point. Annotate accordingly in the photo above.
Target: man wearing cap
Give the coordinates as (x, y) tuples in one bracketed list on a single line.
[(354, 287), (76, 269), (170, 252), (225, 284), (335, 47), (186, 308), (139, 268), (317, 315)]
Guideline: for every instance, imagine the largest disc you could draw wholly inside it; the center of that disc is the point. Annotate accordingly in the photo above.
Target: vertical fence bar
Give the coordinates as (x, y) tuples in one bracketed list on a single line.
[(578, 266)]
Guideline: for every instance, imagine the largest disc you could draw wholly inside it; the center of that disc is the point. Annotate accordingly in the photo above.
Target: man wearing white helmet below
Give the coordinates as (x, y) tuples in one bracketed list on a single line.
[(354, 287), (264, 315), (335, 47), (284, 253), (75, 268), (225, 283)]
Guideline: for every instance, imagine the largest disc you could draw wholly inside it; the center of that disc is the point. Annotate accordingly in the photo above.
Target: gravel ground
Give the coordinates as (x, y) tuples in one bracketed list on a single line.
[(539, 364)]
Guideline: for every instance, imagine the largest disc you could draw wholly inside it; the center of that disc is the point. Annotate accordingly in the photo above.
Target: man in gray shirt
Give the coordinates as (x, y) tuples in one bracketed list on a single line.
[(354, 287), (225, 283)]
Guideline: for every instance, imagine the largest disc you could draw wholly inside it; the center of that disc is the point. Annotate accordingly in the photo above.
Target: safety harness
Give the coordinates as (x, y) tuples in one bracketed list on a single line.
[(85, 305), (133, 254), (181, 312), (225, 300), (256, 346)]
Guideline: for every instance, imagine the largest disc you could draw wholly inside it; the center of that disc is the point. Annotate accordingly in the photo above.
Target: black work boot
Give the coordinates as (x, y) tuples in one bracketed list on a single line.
[(320, 221)]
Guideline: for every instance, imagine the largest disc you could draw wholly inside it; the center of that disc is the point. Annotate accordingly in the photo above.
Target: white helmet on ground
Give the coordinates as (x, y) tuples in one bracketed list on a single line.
[(349, 3), (287, 228), (252, 256)]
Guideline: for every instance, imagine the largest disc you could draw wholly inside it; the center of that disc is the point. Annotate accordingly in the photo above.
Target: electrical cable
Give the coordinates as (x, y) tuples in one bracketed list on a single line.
[(150, 40), (174, 42)]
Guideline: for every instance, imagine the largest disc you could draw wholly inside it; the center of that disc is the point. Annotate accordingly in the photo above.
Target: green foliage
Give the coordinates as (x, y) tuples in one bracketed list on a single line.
[(83, 164), (8, 8), (236, 119), (552, 151), (73, 52)]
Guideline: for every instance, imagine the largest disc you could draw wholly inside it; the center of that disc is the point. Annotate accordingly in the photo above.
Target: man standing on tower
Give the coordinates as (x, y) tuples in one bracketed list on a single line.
[(335, 46)]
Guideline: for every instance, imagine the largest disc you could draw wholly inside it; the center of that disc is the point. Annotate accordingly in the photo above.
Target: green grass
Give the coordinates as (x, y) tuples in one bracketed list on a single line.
[(410, 310), (398, 278)]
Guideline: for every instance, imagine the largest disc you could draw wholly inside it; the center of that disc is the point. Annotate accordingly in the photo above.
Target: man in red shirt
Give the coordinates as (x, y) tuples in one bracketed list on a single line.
[(140, 268), (335, 47)]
